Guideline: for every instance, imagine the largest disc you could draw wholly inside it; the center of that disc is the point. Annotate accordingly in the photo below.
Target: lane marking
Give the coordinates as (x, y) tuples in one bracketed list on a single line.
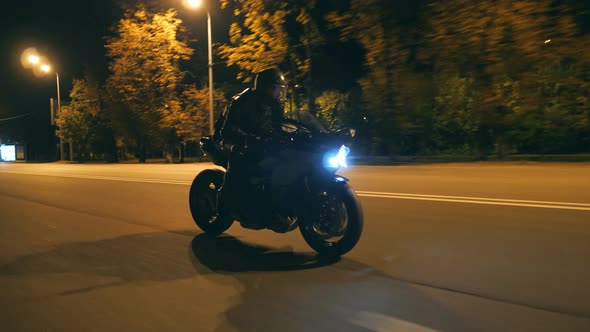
[(110, 178), (472, 198), (379, 322), (372, 194), (555, 206)]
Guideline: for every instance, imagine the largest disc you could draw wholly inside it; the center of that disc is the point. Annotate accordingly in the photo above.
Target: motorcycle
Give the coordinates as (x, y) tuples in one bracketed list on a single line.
[(303, 191)]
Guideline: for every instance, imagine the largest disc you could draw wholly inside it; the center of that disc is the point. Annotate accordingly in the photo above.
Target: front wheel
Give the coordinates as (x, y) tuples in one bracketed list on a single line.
[(203, 202), (334, 223)]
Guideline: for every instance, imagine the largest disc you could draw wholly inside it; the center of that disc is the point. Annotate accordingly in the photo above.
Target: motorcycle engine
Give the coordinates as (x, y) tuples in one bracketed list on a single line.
[(283, 224)]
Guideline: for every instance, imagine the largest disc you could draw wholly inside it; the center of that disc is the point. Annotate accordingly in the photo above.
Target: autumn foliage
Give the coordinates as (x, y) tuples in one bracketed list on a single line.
[(472, 77), (478, 78)]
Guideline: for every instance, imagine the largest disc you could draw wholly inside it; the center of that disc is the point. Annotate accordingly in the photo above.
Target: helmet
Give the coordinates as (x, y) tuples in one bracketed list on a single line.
[(272, 82)]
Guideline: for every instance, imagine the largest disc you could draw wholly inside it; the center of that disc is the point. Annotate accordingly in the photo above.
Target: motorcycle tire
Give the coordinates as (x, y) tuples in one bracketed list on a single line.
[(203, 202), (346, 196)]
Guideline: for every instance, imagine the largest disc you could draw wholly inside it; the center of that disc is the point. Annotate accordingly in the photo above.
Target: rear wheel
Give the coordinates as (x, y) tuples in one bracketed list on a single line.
[(203, 202), (334, 224)]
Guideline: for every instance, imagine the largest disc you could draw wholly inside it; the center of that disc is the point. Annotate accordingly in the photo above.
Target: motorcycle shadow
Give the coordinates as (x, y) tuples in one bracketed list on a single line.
[(228, 254)]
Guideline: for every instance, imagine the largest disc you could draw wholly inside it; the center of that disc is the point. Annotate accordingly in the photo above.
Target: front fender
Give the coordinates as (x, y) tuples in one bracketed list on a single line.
[(319, 184), (340, 179), (337, 186), (325, 180)]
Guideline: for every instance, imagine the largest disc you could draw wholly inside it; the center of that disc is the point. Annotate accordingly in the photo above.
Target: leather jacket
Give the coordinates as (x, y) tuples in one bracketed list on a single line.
[(250, 116)]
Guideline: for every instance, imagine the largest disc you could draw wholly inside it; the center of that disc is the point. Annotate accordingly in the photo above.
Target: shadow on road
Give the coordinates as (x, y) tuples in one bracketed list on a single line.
[(273, 289), (229, 254), (158, 256), (282, 290)]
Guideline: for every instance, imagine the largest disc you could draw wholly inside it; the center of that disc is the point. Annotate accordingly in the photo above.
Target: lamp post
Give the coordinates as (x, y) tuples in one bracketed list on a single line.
[(30, 58), (194, 4), (46, 69)]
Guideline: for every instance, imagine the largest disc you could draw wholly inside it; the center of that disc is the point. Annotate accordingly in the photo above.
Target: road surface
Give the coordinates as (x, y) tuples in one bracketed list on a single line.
[(453, 247)]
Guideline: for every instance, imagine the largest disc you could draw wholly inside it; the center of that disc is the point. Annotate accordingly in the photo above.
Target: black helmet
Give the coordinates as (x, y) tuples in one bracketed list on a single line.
[(273, 82)]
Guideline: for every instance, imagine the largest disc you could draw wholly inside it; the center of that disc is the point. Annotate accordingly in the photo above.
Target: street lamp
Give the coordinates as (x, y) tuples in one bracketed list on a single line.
[(47, 69), (194, 4), (31, 59), (34, 59)]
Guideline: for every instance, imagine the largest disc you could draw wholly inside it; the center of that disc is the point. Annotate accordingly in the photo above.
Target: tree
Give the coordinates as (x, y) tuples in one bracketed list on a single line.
[(489, 76), (145, 64), (189, 116), (526, 62), (455, 117), (78, 122), (389, 34), (273, 33), (333, 109)]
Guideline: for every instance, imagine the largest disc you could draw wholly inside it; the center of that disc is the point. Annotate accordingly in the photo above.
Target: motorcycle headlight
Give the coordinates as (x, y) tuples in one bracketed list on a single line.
[(337, 159)]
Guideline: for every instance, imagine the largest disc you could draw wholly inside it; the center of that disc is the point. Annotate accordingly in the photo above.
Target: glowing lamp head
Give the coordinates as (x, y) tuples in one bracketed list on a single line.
[(34, 59), (337, 160), (194, 3), (45, 68)]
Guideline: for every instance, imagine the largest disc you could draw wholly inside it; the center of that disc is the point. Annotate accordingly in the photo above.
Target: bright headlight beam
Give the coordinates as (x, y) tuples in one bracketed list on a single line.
[(339, 160)]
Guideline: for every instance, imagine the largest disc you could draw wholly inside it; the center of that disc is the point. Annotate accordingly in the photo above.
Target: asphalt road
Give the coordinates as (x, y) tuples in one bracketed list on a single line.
[(455, 247)]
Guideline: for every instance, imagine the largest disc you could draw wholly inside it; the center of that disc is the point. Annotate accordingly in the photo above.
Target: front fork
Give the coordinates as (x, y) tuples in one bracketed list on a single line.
[(313, 188)]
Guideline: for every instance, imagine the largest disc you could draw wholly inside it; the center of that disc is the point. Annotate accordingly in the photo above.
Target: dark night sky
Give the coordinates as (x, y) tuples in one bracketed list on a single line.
[(68, 32), (71, 34)]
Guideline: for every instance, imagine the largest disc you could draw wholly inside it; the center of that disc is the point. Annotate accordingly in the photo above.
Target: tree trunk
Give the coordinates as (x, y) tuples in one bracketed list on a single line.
[(295, 94), (81, 151), (310, 91), (169, 152), (71, 149), (180, 153), (142, 151)]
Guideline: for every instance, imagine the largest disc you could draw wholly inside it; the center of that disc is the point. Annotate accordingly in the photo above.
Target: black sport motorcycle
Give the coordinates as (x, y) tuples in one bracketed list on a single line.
[(302, 191)]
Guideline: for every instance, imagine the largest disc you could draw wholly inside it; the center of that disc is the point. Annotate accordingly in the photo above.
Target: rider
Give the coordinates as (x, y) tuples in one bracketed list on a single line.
[(251, 120)]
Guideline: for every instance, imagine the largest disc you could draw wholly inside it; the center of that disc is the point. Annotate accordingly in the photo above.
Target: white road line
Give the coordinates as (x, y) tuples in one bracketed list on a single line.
[(111, 178), (383, 323), (472, 198), (555, 206), (372, 194)]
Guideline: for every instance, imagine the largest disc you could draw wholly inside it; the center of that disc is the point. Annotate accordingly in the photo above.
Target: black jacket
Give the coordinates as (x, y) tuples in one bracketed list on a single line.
[(250, 114)]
